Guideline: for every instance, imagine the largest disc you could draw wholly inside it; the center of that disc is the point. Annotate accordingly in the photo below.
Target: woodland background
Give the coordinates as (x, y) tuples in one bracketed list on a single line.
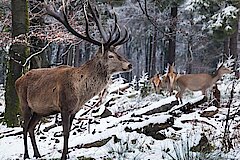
[(193, 34)]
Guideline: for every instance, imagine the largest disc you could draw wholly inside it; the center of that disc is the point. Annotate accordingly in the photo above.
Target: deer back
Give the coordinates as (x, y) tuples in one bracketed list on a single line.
[(39, 90), (194, 82)]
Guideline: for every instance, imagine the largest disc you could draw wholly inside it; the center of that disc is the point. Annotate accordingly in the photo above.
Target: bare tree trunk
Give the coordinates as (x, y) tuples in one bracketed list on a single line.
[(233, 46), (126, 49), (189, 56), (18, 51), (59, 52), (172, 38), (226, 47), (77, 56), (150, 54), (87, 51), (70, 56), (154, 52), (147, 56)]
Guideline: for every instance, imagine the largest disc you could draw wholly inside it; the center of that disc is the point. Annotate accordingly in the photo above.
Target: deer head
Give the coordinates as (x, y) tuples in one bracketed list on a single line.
[(111, 42)]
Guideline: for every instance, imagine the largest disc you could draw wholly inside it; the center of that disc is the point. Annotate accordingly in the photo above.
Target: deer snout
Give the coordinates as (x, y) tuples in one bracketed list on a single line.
[(130, 66), (127, 66)]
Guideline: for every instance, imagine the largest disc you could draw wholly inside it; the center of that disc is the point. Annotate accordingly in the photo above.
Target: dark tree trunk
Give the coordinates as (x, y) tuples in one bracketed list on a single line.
[(87, 52), (59, 58), (18, 52), (226, 47), (154, 52), (70, 56), (77, 56), (146, 45), (150, 55), (233, 46), (172, 34)]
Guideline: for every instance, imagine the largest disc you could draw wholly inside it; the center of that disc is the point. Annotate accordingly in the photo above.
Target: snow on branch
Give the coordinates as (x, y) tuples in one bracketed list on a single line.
[(223, 18)]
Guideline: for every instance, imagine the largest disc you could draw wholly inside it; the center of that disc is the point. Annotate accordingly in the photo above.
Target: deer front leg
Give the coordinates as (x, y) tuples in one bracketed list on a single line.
[(66, 127)]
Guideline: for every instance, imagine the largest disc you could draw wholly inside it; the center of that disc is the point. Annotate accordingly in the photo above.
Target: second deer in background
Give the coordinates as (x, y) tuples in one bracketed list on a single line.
[(171, 78), (199, 82), (166, 81)]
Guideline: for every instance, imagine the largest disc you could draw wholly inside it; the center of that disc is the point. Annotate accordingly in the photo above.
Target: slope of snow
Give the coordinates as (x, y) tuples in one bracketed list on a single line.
[(128, 112)]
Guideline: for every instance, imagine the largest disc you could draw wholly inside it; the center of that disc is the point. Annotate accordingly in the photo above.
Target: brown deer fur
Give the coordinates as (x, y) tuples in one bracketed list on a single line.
[(166, 81), (65, 89), (171, 78), (199, 82)]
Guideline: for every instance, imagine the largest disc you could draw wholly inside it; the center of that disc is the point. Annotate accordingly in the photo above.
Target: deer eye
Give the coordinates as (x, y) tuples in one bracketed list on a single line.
[(110, 56)]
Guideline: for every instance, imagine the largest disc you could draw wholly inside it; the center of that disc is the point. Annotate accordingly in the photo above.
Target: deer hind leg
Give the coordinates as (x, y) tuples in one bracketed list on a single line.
[(204, 92), (32, 124), (66, 122), (180, 94), (26, 112)]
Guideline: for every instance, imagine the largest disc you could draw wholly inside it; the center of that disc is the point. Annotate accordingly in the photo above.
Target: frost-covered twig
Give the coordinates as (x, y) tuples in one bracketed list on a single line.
[(227, 144), (35, 54)]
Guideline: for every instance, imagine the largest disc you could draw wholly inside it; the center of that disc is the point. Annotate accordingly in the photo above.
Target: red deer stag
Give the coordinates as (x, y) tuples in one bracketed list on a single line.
[(199, 82), (65, 89)]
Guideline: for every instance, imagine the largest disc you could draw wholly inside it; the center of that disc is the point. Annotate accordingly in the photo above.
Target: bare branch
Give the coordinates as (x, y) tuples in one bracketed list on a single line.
[(35, 54)]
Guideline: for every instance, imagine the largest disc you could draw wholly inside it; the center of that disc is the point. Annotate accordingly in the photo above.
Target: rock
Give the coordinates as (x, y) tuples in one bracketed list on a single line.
[(216, 95), (85, 158), (187, 108), (106, 113), (134, 141), (98, 143), (43, 137), (203, 146), (116, 139), (163, 108), (102, 112), (209, 112), (176, 128), (58, 134), (153, 129), (57, 141)]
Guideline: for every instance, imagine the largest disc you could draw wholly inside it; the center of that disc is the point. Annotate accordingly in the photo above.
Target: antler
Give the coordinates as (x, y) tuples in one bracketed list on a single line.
[(108, 41), (61, 17)]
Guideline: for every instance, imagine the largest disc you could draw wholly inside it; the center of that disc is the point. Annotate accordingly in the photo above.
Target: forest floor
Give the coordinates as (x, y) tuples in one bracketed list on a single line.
[(129, 126)]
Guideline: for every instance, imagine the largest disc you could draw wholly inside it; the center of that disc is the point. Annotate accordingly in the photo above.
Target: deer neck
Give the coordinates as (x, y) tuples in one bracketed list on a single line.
[(96, 69), (216, 77)]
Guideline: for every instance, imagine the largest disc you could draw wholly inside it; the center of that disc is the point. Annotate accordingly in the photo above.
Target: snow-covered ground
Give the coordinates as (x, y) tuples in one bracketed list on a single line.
[(137, 129)]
